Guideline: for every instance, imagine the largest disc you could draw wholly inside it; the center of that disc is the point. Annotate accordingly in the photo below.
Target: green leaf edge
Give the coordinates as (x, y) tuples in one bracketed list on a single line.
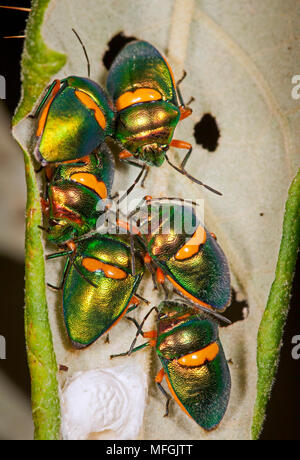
[(269, 338), (39, 63)]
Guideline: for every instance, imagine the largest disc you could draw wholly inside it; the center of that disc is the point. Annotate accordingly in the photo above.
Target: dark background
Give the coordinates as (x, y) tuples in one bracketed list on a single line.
[(283, 413)]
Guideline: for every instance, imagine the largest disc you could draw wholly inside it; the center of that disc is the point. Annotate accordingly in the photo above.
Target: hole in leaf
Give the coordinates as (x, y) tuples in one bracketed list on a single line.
[(114, 47), (207, 133), (236, 311)]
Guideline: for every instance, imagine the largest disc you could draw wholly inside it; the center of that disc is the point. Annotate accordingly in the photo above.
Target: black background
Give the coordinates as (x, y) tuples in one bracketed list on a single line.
[(283, 415)]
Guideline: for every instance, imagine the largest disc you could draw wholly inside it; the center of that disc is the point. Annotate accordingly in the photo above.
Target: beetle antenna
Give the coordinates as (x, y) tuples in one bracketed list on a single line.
[(85, 52)]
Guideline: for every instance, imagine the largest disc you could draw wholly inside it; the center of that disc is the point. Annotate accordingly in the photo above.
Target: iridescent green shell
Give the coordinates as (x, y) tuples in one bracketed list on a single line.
[(71, 130), (140, 65), (144, 128), (203, 390), (205, 275), (91, 311), (74, 208)]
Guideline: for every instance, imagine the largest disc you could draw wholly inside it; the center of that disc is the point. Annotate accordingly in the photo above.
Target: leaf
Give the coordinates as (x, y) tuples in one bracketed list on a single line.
[(239, 72)]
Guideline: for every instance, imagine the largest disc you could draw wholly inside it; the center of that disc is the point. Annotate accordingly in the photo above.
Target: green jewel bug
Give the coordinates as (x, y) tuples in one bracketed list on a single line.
[(99, 284), (75, 116), (184, 252), (145, 95), (76, 193), (194, 365)]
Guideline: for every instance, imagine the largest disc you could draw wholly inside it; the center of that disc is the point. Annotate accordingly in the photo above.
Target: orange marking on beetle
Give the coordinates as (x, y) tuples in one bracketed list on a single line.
[(49, 170), (71, 245), (197, 358), (185, 112), (135, 97), (43, 116), (135, 301), (125, 154), (160, 276), (90, 181), (188, 295), (160, 375), (150, 335), (91, 104), (187, 315), (93, 265), (180, 144), (129, 227), (147, 259), (85, 159), (213, 235), (119, 318), (192, 246), (171, 71), (175, 396)]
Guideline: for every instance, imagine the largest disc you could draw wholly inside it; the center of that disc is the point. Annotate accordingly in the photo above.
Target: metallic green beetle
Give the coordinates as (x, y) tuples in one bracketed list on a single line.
[(99, 283), (185, 253), (75, 117), (145, 96), (76, 195), (194, 364)]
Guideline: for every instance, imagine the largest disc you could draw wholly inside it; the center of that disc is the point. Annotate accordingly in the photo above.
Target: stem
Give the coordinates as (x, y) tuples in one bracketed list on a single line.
[(270, 332), (39, 346)]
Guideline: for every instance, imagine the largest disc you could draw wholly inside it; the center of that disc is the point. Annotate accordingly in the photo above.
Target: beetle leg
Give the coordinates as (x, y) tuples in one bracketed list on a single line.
[(181, 101), (39, 169), (133, 320), (58, 254), (132, 255), (145, 176), (147, 262), (45, 206), (70, 253), (161, 280), (142, 298), (152, 271), (158, 380), (47, 230), (136, 181), (65, 274), (116, 195), (83, 276), (181, 170), (152, 341), (140, 347), (131, 229), (185, 110), (124, 154)]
